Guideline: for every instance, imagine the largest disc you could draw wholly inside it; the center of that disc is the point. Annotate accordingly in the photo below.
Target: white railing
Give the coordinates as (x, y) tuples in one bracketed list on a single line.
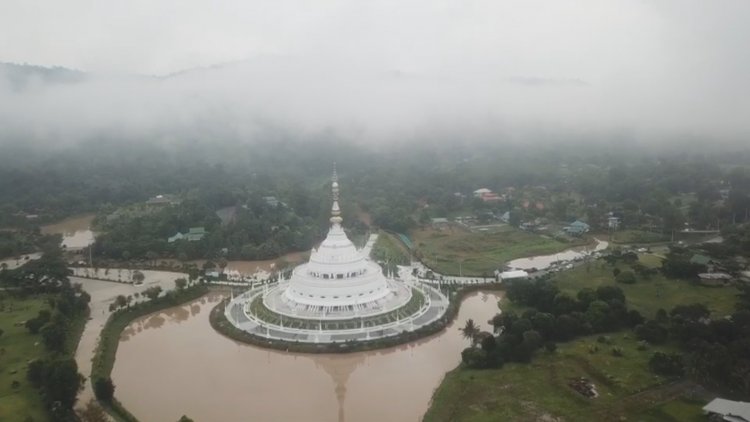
[(312, 335)]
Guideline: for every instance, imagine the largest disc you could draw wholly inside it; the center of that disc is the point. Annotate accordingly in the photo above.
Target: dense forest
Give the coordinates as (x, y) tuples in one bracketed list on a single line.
[(658, 191)]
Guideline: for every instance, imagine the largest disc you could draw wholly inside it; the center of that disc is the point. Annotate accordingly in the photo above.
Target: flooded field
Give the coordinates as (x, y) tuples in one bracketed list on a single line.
[(544, 261), (173, 363), (76, 231)]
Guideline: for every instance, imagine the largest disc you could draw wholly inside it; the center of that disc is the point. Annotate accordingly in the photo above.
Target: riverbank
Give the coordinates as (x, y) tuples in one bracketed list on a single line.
[(173, 362), (109, 338), (541, 390)]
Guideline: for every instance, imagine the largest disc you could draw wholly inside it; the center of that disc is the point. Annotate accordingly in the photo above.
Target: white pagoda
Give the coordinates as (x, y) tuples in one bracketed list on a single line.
[(339, 281)]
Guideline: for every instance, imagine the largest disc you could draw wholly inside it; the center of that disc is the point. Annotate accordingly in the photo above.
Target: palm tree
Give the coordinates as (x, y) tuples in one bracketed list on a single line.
[(470, 331)]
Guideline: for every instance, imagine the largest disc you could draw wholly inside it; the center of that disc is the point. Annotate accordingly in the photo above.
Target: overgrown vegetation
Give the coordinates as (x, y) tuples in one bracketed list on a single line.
[(54, 313)]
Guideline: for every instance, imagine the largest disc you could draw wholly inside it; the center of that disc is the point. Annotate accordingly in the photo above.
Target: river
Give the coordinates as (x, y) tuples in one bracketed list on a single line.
[(173, 363), (76, 231), (545, 261)]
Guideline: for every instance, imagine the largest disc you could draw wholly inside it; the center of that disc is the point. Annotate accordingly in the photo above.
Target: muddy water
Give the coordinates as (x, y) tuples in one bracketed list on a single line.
[(173, 363), (103, 293), (76, 231), (544, 261)]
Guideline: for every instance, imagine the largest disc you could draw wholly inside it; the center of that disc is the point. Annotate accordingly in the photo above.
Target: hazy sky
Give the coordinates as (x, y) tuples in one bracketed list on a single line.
[(389, 68)]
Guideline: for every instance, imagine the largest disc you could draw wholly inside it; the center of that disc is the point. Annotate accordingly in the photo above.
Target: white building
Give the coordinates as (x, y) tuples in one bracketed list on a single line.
[(728, 410), (338, 281), (481, 192), (511, 275)]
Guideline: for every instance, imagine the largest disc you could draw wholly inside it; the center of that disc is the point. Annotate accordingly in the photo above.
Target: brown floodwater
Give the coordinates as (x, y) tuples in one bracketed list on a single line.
[(173, 363), (76, 231)]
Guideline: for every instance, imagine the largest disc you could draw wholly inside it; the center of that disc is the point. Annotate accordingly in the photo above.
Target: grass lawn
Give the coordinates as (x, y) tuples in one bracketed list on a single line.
[(680, 410), (628, 390), (17, 347), (388, 248), (455, 248), (529, 392), (648, 296)]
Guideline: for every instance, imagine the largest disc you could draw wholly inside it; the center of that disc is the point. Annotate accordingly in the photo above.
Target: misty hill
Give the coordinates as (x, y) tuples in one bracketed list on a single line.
[(21, 76)]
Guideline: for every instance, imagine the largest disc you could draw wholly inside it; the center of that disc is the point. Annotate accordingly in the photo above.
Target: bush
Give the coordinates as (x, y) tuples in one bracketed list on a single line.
[(626, 277), (104, 389), (651, 332), (474, 358), (669, 365)]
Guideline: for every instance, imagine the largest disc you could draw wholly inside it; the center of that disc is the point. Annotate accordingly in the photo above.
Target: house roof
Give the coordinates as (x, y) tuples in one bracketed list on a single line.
[(735, 411), (579, 224), (482, 190), (506, 275), (176, 237), (715, 276), (700, 259), (197, 230)]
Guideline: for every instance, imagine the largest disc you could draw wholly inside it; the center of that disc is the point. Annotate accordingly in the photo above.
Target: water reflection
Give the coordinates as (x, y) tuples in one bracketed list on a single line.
[(184, 367)]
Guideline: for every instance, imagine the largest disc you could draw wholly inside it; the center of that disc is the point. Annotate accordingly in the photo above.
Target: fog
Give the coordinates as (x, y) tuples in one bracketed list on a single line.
[(377, 72)]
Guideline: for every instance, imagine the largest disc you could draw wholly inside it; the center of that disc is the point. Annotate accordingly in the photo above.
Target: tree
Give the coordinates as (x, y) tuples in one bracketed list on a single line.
[(55, 334), (180, 283), (36, 323), (152, 256), (222, 263), (152, 292), (474, 357), (121, 301), (626, 277), (669, 365), (470, 331), (185, 419), (92, 413), (104, 389), (59, 382), (138, 276)]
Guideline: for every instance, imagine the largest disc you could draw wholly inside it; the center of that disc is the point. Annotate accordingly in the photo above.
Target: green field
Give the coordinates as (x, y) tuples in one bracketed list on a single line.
[(17, 348), (637, 236), (649, 295), (388, 248), (539, 390), (628, 390), (455, 249)]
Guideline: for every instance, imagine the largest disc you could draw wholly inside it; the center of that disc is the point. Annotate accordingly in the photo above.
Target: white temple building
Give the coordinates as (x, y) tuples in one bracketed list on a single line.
[(338, 282)]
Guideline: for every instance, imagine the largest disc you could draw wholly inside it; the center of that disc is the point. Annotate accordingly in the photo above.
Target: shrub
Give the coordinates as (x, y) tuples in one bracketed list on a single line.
[(104, 389), (626, 277), (669, 365)]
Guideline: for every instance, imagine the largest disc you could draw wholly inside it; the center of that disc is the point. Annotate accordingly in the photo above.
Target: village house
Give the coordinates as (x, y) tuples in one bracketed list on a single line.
[(577, 228), (162, 201), (728, 410), (715, 279), (487, 195), (703, 260), (194, 234), (440, 222)]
